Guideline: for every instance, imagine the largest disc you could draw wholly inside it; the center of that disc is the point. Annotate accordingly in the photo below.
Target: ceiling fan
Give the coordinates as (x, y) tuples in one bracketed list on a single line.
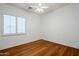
[(39, 8)]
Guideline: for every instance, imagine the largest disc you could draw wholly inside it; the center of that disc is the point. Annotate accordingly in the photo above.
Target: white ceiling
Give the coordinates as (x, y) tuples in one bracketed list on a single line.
[(52, 6)]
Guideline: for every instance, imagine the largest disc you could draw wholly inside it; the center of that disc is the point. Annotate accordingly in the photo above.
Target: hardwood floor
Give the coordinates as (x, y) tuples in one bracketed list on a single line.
[(40, 48)]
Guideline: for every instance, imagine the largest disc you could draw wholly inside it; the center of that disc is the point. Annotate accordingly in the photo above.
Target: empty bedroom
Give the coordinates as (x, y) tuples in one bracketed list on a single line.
[(39, 29)]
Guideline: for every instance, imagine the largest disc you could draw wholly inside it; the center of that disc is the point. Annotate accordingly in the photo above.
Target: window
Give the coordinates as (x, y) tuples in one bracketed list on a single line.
[(13, 25), (20, 25)]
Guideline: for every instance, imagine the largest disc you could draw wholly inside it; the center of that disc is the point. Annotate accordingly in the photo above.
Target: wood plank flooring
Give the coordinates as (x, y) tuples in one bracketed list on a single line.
[(40, 48)]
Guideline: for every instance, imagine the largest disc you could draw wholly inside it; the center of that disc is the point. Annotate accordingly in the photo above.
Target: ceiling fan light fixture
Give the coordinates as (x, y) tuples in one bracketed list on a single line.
[(39, 10), (39, 4)]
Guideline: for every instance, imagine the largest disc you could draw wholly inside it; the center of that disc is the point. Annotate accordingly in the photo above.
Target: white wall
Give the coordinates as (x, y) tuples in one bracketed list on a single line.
[(32, 27), (62, 26)]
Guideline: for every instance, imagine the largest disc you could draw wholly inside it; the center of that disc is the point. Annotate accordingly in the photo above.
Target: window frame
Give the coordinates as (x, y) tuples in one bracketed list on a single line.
[(11, 34)]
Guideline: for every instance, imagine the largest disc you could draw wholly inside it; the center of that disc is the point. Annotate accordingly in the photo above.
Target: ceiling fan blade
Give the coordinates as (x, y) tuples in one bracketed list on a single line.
[(44, 7), (34, 6)]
